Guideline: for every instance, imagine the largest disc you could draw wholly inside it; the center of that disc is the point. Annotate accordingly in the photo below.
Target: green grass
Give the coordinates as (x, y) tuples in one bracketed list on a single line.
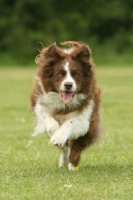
[(29, 166)]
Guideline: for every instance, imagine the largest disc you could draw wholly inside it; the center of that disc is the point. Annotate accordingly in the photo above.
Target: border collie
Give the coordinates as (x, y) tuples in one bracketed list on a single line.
[(66, 100)]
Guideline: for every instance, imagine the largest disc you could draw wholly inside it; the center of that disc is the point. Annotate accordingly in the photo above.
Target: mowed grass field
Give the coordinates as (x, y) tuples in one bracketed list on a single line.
[(29, 166)]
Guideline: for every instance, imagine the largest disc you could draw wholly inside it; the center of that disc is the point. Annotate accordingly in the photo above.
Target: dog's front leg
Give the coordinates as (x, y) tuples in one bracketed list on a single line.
[(64, 156), (74, 127), (70, 130), (45, 123), (51, 124)]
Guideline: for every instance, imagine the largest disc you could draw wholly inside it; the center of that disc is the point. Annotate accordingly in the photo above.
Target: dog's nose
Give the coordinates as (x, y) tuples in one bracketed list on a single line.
[(68, 85)]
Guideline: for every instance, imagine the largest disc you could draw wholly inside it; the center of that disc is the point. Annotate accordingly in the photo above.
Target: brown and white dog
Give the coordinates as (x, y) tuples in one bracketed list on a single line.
[(65, 100)]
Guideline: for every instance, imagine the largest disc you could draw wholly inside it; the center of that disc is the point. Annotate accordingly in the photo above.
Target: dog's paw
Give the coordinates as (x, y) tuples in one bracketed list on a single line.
[(52, 127), (57, 140), (71, 166)]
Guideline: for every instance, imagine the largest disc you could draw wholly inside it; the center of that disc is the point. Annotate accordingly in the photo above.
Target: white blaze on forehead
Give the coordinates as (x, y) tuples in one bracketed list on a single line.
[(68, 74), (68, 96)]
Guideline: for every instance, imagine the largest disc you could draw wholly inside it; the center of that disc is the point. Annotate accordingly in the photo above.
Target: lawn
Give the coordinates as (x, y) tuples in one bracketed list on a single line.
[(29, 166)]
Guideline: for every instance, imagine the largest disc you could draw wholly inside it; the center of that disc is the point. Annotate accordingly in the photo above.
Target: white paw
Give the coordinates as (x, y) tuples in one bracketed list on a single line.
[(52, 126), (63, 163), (71, 167), (57, 140)]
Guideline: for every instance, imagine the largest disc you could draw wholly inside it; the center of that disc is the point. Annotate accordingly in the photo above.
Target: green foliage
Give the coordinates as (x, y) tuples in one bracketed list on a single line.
[(29, 166), (23, 23)]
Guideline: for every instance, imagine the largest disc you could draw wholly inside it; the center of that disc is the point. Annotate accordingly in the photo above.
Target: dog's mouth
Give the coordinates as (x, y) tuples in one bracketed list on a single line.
[(67, 96)]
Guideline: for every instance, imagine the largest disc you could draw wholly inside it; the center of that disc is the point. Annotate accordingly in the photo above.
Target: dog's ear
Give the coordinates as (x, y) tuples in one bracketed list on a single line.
[(81, 52), (85, 58), (51, 50), (84, 53), (52, 56), (54, 53)]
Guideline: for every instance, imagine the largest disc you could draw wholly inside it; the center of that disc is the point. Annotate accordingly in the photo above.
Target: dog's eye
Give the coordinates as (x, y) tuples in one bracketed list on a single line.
[(75, 74), (60, 75)]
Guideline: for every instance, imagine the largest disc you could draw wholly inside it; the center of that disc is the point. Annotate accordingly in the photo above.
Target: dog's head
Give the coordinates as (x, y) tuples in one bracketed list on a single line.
[(66, 71)]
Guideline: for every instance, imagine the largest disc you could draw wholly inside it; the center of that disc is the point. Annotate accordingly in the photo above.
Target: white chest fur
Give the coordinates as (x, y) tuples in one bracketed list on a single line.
[(71, 125), (53, 101)]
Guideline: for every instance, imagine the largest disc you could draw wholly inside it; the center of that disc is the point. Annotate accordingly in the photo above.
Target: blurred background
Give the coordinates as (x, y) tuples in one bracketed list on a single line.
[(106, 26)]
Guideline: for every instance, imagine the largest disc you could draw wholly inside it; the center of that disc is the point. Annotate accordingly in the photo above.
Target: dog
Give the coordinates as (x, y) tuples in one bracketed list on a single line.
[(66, 101)]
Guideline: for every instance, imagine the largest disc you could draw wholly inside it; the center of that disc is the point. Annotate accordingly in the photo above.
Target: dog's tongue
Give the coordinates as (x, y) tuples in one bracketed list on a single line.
[(67, 96)]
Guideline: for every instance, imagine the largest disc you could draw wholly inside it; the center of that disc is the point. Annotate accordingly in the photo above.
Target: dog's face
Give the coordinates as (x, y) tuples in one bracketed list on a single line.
[(66, 73), (67, 79)]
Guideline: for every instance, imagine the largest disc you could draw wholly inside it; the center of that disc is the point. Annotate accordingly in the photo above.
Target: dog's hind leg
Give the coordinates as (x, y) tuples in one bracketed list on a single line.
[(74, 157)]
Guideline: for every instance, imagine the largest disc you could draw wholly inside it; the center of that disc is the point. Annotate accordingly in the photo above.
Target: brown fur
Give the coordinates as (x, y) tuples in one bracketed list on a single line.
[(49, 60)]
